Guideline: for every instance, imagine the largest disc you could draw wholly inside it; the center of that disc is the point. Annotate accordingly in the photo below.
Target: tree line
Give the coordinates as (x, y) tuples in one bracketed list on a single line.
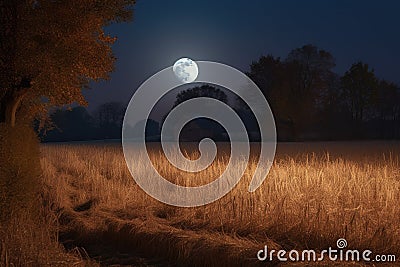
[(308, 99), (77, 124)]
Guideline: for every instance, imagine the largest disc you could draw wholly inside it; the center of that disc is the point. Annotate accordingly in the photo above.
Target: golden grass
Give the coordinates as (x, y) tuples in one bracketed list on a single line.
[(28, 224), (313, 195), (26, 243)]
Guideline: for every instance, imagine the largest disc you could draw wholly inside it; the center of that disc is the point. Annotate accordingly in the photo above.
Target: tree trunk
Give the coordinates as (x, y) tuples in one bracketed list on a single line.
[(9, 106), (293, 131)]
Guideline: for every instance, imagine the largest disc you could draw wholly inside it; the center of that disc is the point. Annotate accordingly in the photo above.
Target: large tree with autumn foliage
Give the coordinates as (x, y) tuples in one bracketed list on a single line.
[(51, 49)]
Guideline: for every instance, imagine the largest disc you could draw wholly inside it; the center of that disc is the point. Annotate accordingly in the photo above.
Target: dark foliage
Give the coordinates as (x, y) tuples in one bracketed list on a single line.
[(311, 102), (201, 91)]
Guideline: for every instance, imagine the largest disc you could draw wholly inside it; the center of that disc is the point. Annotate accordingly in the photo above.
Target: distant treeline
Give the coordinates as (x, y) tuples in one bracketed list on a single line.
[(309, 101), (77, 124)]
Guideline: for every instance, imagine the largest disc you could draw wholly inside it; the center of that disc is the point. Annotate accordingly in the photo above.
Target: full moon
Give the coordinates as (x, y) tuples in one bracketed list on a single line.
[(186, 70)]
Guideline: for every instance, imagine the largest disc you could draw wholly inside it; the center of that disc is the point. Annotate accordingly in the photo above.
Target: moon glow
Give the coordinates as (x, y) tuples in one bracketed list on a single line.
[(186, 70)]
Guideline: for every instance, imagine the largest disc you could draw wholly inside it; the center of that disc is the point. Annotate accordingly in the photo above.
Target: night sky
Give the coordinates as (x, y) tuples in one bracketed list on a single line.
[(239, 32)]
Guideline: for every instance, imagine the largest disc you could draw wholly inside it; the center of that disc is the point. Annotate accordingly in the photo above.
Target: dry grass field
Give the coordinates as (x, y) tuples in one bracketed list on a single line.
[(314, 194)]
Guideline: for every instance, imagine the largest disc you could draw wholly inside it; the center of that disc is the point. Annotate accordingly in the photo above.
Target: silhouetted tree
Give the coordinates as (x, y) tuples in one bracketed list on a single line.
[(267, 74), (202, 127), (201, 91), (333, 117), (109, 117), (387, 105), (294, 87), (110, 114), (359, 88), (309, 72), (314, 67), (75, 124)]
